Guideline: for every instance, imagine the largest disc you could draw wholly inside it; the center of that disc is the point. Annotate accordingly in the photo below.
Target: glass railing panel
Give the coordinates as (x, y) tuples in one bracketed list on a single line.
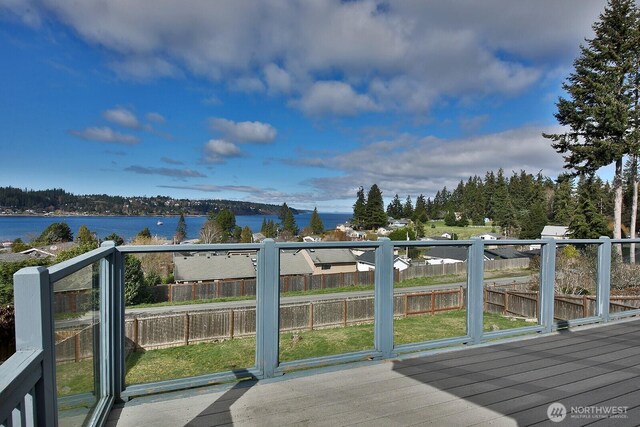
[(429, 293), (511, 291), (576, 276), (189, 313), (625, 277), (76, 308), (326, 302)]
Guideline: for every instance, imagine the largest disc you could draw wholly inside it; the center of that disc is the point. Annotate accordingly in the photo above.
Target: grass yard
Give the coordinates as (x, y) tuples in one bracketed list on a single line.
[(205, 358), (464, 233)]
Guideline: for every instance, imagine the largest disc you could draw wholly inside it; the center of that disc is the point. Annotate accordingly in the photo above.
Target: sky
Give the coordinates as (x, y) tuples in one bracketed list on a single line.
[(281, 101)]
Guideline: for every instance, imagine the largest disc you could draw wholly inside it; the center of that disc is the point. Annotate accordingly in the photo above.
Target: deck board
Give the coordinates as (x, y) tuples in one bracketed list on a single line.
[(504, 384)]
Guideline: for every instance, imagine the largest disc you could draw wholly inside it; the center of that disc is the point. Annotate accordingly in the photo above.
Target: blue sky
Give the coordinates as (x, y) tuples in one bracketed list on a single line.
[(280, 101)]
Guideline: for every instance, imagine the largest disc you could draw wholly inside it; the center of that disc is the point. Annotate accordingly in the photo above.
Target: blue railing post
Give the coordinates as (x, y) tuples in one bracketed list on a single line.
[(117, 318), (268, 308), (547, 284), (109, 346), (475, 294), (33, 297), (604, 278), (383, 298)]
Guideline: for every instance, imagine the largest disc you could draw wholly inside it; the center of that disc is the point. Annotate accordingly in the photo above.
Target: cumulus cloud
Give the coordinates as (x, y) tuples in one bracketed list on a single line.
[(218, 150), (176, 173), (105, 134), (122, 117), (334, 97), (406, 55), (409, 164), (250, 132)]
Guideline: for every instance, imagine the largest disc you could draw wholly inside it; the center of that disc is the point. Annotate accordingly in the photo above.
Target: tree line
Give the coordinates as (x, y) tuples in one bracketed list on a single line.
[(519, 205), (19, 200)]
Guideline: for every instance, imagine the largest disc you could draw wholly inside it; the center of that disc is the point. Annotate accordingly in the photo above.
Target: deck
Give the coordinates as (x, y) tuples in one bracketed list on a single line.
[(592, 370)]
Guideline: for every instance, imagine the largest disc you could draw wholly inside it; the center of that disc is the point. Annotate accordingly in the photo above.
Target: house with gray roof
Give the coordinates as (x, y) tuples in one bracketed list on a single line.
[(212, 266), (333, 260)]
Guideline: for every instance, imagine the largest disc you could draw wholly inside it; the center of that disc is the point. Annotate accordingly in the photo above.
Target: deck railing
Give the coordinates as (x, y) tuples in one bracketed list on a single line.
[(28, 393)]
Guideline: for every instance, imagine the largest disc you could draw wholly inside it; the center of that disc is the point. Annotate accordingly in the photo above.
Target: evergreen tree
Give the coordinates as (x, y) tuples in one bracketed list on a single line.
[(587, 222), (226, 219), (181, 229), (407, 209), (246, 236), (420, 212), (86, 237), (534, 222), (288, 221), (360, 210), (57, 232), (450, 219), (375, 215), (144, 233), (394, 209), (269, 228), (601, 111), (315, 223), (563, 203), (115, 238)]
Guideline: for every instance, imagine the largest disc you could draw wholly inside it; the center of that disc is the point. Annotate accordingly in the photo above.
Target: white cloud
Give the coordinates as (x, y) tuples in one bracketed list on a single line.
[(250, 132), (217, 150), (333, 97), (406, 55), (155, 117), (176, 173), (105, 134), (412, 165), (122, 117)]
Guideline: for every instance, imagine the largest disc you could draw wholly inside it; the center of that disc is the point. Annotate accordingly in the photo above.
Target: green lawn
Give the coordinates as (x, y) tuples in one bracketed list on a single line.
[(464, 233), (205, 358)]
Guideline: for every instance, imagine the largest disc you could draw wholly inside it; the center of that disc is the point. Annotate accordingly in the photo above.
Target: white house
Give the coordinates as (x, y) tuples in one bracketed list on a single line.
[(366, 262), (558, 232)]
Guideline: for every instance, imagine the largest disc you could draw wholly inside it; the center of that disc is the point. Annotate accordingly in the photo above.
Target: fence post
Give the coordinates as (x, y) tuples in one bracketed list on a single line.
[(475, 276), (604, 278), (267, 306), (33, 296), (383, 303), (547, 284)]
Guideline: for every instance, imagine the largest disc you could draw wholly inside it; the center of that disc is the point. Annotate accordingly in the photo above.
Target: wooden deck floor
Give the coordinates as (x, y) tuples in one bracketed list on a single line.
[(595, 369)]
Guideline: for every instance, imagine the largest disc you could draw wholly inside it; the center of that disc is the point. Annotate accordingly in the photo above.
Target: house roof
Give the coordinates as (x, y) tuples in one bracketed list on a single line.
[(294, 264), (504, 253), (331, 256), (555, 230), (213, 266), (448, 252), (14, 257)]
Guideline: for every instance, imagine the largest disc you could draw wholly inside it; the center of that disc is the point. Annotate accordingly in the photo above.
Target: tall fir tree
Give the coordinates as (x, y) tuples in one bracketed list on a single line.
[(246, 236), (315, 223), (420, 212), (181, 229), (587, 222), (394, 208), (375, 215), (407, 209), (563, 201), (359, 210), (601, 109)]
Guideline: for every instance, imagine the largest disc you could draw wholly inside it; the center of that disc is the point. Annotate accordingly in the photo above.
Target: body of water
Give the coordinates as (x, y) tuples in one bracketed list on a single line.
[(30, 227)]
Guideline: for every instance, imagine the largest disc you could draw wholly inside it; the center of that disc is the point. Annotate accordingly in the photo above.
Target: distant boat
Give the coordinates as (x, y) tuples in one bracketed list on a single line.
[(160, 223)]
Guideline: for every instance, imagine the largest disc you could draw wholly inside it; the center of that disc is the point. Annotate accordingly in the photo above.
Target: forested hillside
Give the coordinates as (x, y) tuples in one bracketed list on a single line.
[(15, 200)]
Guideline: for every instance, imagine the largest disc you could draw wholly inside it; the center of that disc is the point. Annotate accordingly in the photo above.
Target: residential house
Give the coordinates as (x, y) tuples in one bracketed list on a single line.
[(211, 266), (558, 232), (366, 262), (399, 223), (328, 261)]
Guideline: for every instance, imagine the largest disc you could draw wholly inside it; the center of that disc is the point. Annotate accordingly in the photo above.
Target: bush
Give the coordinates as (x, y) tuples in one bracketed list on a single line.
[(7, 330), (135, 287)]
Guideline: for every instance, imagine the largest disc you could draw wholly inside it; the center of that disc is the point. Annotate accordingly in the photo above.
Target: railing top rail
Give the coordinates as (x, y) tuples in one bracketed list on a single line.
[(66, 268), (190, 247), (18, 375)]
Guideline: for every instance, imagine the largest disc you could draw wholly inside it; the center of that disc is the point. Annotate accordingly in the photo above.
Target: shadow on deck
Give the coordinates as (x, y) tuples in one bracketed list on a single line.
[(593, 371)]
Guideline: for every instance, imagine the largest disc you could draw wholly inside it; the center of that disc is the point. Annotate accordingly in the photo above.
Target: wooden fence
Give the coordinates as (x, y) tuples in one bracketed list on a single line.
[(247, 287), (178, 329), (566, 307)]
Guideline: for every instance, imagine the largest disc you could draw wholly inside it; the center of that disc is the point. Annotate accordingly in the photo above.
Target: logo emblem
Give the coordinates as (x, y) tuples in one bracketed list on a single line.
[(556, 412)]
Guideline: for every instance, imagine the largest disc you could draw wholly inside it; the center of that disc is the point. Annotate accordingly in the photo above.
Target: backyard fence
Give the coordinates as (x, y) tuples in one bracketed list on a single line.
[(566, 307), (178, 329), (247, 287)]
